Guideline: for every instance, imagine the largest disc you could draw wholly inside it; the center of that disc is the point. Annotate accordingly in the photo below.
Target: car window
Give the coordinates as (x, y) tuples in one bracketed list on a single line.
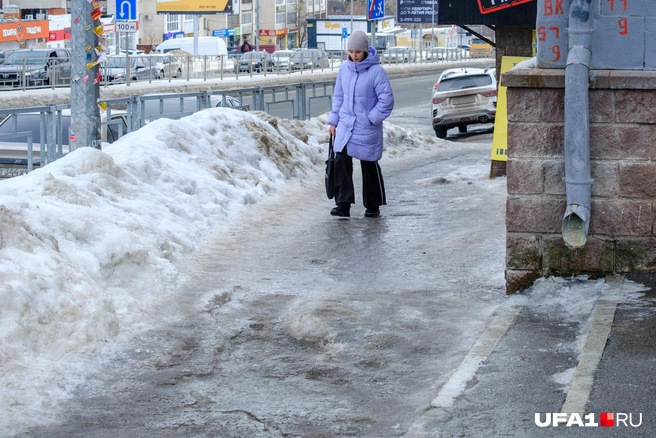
[(115, 128), (116, 62), (463, 82), (31, 122), (27, 57)]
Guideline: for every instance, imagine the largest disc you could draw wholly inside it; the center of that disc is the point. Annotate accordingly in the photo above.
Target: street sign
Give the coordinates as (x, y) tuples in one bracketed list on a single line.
[(126, 26), (375, 9), (344, 32), (126, 10), (223, 33), (417, 11)]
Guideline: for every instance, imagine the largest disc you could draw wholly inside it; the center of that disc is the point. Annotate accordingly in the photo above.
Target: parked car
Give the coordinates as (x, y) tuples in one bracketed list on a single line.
[(437, 54), (114, 70), (36, 67), (309, 59), (167, 66), (174, 107), (462, 97), (281, 59), (13, 146), (399, 54), (4, 54), (254, 62), (465, 50)]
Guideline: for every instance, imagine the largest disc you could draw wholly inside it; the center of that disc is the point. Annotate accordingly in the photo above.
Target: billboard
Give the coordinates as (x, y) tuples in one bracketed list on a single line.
[(489, 12), (195, 7), (417, 11)]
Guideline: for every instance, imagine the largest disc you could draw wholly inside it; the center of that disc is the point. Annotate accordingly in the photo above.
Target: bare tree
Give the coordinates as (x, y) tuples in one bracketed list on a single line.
[(298, 19)]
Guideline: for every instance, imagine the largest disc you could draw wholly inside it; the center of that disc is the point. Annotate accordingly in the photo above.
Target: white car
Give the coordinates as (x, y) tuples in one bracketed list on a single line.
[(166, 66), (281, 59), (400, 55), (462, 97)]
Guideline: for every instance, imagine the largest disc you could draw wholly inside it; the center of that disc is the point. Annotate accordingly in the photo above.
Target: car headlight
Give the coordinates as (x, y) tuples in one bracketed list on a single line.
[(36, 74)]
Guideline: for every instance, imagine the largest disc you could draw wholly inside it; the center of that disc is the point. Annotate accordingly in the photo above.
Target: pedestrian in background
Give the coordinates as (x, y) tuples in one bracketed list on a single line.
[(362, 99), (246, 47)]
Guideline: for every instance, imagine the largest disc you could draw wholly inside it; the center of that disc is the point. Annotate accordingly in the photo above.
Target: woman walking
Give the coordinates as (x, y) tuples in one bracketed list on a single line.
[(362, 99)]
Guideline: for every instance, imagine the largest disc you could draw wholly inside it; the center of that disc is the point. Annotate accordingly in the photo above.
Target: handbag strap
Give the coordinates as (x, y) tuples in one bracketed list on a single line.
[(331, 151)]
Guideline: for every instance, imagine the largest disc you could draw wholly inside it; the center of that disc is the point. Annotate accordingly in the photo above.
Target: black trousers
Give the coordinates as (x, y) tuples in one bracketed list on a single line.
[(373, 187)]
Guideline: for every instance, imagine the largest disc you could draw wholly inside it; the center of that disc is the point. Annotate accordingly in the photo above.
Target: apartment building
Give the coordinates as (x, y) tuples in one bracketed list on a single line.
[(266, 22)]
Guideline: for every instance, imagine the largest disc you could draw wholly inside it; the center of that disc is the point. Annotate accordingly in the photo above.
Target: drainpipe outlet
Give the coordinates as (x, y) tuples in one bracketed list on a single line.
[(575, 225)]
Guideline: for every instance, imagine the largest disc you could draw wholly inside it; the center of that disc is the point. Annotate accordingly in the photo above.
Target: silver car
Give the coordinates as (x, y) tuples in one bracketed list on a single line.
[(114, 69), (166, 66), (400, 55)]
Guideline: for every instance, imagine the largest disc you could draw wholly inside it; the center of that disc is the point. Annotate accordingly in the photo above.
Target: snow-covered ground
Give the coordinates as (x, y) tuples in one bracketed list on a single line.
[(81, 237)]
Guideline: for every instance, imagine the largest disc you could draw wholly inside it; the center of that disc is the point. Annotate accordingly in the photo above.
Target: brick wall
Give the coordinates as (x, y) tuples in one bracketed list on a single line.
[(621, 237)]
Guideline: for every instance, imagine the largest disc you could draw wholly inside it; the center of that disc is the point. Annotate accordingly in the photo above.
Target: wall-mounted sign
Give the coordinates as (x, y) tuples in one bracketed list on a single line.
[(24, 30), (487, 6), (417, 11), (173, 35), (224, 33), (505, 12)]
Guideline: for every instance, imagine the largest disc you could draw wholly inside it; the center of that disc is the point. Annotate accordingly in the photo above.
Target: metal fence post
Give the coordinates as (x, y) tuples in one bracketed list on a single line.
[(51, 135), (135, 118), (301, 111), (258, 99)]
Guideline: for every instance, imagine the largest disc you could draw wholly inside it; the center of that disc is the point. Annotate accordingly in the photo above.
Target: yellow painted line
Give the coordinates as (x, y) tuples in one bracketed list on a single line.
[(595, 343)]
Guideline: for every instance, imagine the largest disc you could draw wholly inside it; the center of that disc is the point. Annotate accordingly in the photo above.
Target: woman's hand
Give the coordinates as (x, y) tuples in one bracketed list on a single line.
[(332, 130)]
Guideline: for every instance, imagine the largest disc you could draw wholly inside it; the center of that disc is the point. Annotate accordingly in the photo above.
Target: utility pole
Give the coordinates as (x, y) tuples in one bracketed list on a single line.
[(351, 17), (85, 85), (256, 34)]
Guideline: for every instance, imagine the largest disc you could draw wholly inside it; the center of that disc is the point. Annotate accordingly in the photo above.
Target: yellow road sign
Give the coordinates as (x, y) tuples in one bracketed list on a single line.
[(500, 137)]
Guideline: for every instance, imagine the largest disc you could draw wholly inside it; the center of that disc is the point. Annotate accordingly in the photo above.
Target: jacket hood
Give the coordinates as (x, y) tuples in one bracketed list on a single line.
[(371, 59)]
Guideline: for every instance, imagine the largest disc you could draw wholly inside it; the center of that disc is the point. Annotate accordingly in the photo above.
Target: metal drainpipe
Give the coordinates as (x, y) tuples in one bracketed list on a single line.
[(577, 129)]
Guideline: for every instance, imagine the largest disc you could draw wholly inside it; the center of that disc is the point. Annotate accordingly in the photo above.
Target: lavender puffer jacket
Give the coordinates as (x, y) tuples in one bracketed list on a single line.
[(362, 99)]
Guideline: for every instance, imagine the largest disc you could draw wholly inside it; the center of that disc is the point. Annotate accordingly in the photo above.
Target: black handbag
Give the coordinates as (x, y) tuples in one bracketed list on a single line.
[(330, 171)]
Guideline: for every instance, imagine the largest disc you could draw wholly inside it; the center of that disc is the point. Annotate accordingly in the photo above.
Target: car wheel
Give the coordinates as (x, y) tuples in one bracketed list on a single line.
[(462, 129), (440, 132)]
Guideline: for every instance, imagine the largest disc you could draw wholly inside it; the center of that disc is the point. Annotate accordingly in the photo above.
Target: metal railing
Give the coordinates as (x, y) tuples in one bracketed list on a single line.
[(127, 114), (147, 68)]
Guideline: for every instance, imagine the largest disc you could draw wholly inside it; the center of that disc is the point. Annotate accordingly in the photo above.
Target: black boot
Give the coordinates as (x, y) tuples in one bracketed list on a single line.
[(372, 212), (343, 209)]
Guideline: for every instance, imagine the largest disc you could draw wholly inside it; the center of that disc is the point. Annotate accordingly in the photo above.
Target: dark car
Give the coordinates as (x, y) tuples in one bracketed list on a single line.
[(4, 54), (254, 62), (36, 67)]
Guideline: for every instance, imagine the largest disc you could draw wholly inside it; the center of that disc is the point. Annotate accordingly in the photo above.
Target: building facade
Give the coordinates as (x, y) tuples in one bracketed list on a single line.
[(262, 22)]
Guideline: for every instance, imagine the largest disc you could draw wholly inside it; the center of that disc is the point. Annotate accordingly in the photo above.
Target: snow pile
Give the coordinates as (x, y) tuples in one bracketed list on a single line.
[(87, 243)]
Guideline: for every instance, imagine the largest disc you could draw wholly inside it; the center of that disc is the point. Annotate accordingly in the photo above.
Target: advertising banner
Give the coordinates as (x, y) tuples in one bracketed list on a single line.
[(24, 30), (195, 7)]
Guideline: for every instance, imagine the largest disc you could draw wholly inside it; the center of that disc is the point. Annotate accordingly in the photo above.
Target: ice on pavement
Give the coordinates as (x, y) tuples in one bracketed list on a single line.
[(88, 243)]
